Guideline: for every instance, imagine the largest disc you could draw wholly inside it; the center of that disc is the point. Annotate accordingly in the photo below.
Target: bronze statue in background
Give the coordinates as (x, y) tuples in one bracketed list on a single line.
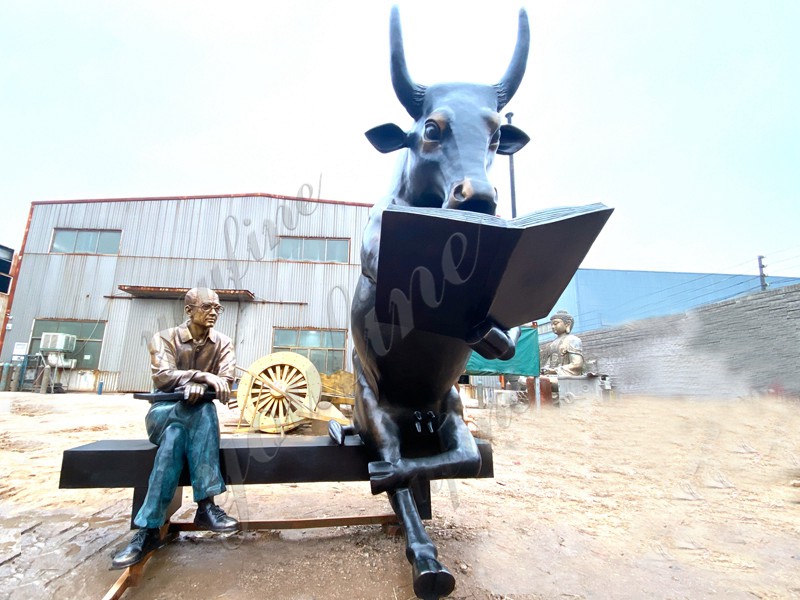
[(564, 355), (407, 409), (192, 358)]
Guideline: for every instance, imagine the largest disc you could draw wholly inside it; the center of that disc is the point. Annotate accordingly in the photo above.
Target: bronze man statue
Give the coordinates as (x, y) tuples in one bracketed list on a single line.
[(564, 355), (192, 357)]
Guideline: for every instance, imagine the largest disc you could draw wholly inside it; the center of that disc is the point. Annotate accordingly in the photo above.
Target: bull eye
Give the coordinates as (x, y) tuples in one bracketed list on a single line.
[(495, 138), (432, 131)]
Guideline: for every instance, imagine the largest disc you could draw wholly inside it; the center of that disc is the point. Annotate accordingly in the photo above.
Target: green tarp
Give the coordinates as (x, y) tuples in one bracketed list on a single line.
[(525, 361)]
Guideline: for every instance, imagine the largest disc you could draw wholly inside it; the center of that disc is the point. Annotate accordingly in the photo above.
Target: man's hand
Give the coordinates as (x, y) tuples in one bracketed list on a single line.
[(219, 385), (193, 392)]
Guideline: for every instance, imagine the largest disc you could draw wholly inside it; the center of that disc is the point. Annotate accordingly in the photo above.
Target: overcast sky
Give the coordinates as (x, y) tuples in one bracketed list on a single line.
[(681, 114)]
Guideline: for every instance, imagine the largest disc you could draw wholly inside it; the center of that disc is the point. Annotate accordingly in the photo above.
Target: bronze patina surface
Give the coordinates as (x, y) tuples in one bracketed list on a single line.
[(191, 358), (407, 410)]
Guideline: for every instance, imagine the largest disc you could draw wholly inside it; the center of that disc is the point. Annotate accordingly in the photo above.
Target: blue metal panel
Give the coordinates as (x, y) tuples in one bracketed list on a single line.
[(599, 298)]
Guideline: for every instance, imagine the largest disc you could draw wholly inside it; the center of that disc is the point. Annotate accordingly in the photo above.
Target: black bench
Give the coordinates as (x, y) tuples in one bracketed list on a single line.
[(246, 459)]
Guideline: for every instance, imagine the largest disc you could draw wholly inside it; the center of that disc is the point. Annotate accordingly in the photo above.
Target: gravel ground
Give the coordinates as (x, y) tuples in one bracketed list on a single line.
[(628, 498)]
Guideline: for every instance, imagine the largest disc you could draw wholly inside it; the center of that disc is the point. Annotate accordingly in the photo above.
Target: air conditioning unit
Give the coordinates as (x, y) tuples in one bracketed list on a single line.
[(58, 342), (57, 361)]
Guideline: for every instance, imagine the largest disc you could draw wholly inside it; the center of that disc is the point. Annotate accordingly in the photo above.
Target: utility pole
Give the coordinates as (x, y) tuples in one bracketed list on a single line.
[(511, 169), (761, 275)]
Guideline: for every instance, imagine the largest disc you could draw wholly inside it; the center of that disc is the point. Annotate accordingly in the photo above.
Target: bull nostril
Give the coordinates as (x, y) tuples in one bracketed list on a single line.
[(466, 195), (464, 191), (468, 191)]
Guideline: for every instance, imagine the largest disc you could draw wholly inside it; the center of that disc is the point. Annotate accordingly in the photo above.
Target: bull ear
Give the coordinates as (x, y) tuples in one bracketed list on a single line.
[(387, 137), (511, 139)]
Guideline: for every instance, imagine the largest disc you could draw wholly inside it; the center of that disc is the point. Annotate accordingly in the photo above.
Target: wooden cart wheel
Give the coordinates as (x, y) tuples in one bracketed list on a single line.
[(279, 391)]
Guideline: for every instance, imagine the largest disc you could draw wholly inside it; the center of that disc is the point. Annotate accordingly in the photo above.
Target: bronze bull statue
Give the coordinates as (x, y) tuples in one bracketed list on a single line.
[(407, 409)]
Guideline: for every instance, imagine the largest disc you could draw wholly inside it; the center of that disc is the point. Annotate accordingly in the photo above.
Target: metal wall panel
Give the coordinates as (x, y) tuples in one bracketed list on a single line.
[(110, 380), (59, 286), (240, 228), (113, 354), (217, 242), (145, 318)]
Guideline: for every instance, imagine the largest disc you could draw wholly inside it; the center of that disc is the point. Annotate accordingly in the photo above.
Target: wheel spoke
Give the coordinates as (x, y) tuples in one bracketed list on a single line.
[(294, 376), (297, 387), (296, 401), (269, 384), (273, 408), (299, 396), (280, 392), (263, 400), (258, 399), (265, 407)]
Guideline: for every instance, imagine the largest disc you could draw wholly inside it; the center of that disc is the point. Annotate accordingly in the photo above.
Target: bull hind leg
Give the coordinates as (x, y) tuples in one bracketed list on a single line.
[(431, 579)]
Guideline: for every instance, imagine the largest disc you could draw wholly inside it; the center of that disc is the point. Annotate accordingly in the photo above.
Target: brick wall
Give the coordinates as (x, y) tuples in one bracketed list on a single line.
[(733, 348)]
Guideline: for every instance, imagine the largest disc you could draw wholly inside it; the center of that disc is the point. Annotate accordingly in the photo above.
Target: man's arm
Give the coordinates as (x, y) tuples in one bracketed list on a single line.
[(225, 371)]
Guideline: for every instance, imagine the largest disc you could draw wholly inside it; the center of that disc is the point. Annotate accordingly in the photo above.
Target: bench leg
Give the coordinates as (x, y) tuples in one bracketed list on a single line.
[(139, 494)]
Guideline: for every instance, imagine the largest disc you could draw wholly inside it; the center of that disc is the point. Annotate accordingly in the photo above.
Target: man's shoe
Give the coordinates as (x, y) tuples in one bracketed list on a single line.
[(211, 517), (144, 541)]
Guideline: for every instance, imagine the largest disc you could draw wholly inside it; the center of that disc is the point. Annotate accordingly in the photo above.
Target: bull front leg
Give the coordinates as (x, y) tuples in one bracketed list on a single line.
[(461, 458), (431, 578)]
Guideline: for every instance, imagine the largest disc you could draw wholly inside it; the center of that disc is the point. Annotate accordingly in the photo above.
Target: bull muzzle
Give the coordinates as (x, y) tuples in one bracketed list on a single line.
[(473, 195)]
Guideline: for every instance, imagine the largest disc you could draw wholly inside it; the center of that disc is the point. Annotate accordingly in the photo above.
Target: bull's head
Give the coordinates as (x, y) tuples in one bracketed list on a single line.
[(456, 134)]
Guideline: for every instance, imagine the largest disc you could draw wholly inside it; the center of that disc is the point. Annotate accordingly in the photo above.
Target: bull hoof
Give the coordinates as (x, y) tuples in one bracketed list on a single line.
[(336, 432), (432, 580)]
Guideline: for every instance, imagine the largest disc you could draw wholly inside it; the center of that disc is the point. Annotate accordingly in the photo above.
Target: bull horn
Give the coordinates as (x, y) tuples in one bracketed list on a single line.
[(513, 77), (409, 93)]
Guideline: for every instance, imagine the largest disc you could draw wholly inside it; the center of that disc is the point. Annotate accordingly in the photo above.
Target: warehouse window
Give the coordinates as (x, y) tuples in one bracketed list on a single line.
[(324, 348), (314, 249), (6, 256), (88, 334), (86, 241)]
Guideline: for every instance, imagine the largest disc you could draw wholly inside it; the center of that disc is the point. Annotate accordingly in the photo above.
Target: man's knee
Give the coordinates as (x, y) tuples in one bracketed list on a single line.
[(174, 435)]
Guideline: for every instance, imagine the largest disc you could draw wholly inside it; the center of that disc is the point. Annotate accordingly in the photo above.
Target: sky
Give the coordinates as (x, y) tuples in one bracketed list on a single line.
[(682, 115)]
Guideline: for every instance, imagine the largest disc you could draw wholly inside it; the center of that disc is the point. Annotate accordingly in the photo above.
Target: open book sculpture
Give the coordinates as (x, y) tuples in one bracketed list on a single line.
[(460, 273), (407, 357)]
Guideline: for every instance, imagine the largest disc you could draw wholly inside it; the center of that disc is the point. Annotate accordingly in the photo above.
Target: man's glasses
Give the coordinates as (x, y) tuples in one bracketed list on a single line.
[(208, 307)]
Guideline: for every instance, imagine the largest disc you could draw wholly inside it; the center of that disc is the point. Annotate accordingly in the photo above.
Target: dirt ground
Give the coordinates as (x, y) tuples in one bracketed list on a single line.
[(627, 498)]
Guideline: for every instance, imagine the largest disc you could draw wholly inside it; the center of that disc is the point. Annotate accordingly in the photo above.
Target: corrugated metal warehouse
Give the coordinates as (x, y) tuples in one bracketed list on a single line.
[(113, 272)]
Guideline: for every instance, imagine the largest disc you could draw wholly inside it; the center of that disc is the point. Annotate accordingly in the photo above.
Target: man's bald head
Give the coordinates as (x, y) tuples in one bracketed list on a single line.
[(200, 296)]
